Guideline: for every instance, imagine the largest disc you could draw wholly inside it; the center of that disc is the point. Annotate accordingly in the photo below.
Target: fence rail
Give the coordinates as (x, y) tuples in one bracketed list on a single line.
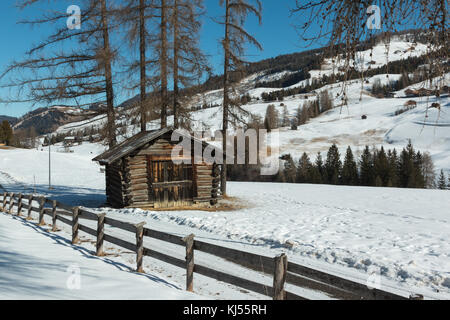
[(277, 267)]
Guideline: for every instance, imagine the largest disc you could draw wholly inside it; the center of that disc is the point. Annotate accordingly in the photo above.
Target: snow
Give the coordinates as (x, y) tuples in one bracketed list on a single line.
[(36, 264), (402, 234)]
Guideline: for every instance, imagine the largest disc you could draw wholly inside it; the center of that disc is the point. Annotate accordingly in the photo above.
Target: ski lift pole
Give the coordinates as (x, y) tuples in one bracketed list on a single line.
[(49, 163)]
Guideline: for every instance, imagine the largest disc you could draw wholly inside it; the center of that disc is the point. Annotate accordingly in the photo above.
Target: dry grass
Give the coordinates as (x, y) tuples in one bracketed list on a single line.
[(226, 204)]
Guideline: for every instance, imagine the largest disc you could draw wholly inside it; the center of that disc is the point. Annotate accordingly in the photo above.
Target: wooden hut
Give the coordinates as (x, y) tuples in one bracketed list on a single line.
[(140, 172)]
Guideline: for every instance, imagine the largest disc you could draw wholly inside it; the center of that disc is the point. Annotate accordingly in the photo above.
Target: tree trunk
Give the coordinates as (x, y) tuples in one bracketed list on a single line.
[(226, 45), (108, 78), (175, 64), (163, 63), (142, 43)]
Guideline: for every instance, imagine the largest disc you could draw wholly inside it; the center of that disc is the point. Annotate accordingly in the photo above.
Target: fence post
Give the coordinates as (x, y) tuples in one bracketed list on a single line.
[(41, 211), (19, 205), (100, 234), (189, 240), (54, 229), (11, 202), (30, 202), (279, 277), (75, 225), (140, 247), (5, 195)]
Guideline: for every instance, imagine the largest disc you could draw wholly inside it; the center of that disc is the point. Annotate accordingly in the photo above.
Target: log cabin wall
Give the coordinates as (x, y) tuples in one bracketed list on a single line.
[(136, 180), (115, 184), (203, 182)]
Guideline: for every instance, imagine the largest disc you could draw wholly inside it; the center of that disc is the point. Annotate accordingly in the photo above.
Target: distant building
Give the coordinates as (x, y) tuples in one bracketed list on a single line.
[(69, 141)]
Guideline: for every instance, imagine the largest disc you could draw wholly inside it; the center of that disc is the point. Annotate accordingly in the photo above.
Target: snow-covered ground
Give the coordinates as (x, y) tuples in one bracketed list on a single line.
[(36, 264), (401, 234)]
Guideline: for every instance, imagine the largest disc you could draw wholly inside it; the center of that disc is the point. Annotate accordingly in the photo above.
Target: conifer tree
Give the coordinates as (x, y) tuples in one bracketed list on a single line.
[(393, 169), (442, 181), (366, 168), (350, 169), (333, 165), (418, 171), (322, 176), (304, 169), (290, 169), (381, 167)]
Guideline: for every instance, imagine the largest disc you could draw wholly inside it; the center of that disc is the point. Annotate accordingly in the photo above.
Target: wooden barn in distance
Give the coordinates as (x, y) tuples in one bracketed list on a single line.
[(140, 173)]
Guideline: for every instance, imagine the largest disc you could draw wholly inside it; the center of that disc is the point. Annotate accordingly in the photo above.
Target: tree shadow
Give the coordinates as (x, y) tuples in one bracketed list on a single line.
[(17, 266)]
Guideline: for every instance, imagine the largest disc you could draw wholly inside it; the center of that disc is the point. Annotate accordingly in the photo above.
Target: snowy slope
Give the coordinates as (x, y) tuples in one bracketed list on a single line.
[(428, 129)]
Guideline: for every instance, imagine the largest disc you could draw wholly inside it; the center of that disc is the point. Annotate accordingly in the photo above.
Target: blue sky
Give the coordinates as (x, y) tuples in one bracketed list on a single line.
[(276, 34)]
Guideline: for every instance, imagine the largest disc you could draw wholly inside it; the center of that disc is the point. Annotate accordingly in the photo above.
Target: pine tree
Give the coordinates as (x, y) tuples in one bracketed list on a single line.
[(406, 168), (381, 166), (333, 165), (418, 170), (349, 169), (290, 169), (304, 169), (442, 181), (393, 169), (366, 168), (322, 176)]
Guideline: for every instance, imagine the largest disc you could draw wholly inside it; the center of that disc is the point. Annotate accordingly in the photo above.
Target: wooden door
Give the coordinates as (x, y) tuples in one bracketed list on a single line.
[(171, 184)]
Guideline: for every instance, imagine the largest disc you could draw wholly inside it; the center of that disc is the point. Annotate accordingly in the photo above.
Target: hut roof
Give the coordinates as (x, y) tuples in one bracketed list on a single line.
[(126, 147)]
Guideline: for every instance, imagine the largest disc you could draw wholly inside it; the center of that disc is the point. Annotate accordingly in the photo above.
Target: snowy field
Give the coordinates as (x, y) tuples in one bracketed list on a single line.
[(401, 234), (35, 264)]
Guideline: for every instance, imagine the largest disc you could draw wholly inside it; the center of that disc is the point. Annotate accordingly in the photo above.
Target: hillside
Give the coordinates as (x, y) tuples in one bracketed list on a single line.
[(387, 123), (47, 120), (11, 120)]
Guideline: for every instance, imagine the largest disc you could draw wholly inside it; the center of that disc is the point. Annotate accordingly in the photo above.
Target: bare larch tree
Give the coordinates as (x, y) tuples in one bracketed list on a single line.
[(188, 62), (50, 74), (234, 41)]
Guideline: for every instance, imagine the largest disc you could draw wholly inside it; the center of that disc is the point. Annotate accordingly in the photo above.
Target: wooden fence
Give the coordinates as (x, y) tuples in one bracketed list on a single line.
[(278, 267)]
